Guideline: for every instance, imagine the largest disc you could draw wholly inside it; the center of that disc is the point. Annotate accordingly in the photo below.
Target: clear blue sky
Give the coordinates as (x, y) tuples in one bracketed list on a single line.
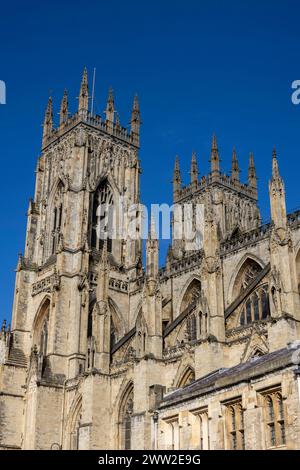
[(199, 66)]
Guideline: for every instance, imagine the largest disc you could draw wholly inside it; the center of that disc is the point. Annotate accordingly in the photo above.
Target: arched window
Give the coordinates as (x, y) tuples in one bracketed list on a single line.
[(41, 328), (102, 217), (125, 422), (274, 416), (235, 426), (75, 427), (256, 307), (44, 335), (56, 223), (246, 275), (192, 293)]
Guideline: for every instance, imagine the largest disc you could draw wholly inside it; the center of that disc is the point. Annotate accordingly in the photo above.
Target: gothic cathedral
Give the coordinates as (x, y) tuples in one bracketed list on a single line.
[(103, 354)]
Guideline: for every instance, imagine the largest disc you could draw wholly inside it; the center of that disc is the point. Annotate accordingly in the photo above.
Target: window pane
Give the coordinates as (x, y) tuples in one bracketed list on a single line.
[(270, 409), (255, 307), (248, 309), (282, 433), (272, 434), (265, 304)]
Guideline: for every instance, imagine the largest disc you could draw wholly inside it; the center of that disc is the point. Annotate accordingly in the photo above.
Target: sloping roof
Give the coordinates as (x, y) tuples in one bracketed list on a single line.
[(221, 378)]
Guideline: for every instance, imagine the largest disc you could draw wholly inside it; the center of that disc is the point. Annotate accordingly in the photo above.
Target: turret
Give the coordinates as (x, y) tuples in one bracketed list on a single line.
[(151, 299), (283, 284)]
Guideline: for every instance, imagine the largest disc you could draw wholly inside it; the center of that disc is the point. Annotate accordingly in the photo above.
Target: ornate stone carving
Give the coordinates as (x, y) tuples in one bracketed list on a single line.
[(47, 284)]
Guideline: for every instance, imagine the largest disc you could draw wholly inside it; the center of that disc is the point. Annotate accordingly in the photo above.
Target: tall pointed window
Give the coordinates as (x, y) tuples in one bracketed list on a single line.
[(192, 294), (102, 217), (44, 335), (274, 418), (235, 425), (41, 328), (75, 428), (125, 422), (56, 218)]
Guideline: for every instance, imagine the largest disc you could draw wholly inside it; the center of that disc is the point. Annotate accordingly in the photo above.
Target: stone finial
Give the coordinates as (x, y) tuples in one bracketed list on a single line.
[(83, 99), (194, 169), (235, 171), (275, 167), (63, 114), (135, 120), (48, 121), (214, 158), (252, 178), (110, 106)]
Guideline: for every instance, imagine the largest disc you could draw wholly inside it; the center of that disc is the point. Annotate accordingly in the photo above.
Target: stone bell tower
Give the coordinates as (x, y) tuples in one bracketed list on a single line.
[(234, 203), (87, 162)]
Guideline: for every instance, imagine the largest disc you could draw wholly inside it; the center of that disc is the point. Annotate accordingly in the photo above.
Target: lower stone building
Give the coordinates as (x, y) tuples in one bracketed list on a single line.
[(202, 353), (253, 405)]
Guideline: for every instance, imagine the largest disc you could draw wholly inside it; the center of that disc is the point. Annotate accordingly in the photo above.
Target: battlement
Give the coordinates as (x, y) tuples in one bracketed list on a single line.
[(94, 121), (110, 125), (222, 179)]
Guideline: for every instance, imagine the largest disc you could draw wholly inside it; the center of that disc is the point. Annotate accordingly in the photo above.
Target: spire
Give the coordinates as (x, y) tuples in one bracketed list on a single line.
[(48, 121), (214, 159), (194, 169), (83, 103), (63, 115), (110, 106), (135, 120), (235, 171), (252, 179), (176, 176)]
